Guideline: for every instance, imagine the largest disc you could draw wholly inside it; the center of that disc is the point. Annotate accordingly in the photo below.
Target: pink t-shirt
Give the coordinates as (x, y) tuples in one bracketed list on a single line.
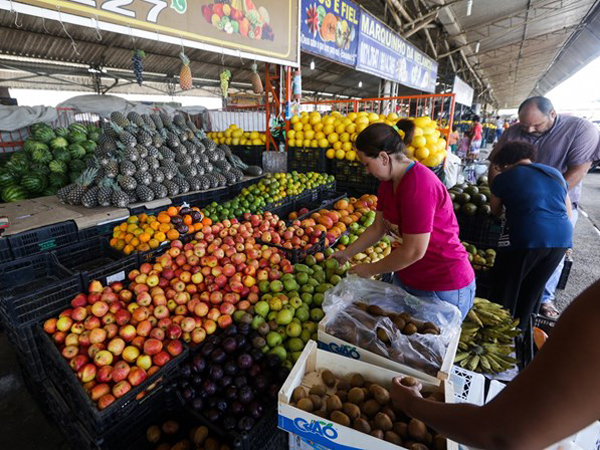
[(421, 204), (477, 129)]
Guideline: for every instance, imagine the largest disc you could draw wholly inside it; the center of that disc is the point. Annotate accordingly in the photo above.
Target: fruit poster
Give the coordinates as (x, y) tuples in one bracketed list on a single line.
[(267, 28), (329, 28), (384, 53)]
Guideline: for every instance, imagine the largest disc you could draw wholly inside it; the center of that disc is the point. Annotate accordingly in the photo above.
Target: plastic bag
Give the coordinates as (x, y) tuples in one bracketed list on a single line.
[(346, 321)]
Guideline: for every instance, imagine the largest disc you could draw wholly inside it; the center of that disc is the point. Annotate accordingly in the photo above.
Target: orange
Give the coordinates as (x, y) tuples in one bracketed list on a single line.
[(144, 237), (151, 219), (143, 247), (154, 225), (120, 244), (160, 236), (135, 242), (172, 211), (172, 235), (187, 219), (207, 221), (133, 219), (143, 217), (137, 232), (149, 231), (195, 208), (113, 242), (123, 226), (164, 218), (128, 249), (153, 243), (164, 227), (128, 237), (131, 228)]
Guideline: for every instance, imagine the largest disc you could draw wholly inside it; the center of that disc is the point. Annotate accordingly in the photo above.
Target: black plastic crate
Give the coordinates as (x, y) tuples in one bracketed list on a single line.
[(104, 230), (135, 211), (32, 288), (43, 239), (5, 252), (481, 231), (544, 323), (30, 358), (121, 410), (353, 173), (326, 189), (306, 159), (95, 259), (249, 154)]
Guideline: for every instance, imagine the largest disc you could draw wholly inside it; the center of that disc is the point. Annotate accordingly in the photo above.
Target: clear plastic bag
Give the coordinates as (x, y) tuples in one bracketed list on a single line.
[(346, 321)]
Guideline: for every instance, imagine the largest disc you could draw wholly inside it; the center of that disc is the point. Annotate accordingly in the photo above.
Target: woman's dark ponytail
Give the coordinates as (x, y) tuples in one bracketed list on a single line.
[(408, 127)]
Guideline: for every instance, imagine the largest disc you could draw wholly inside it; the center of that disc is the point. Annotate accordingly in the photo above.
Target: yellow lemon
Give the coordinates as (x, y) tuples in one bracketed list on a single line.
[(295, 119), (291, 134), (422, 153), (291, 142), (300, 135), (299, 142), (330, 153), (340, 154), (237, 133), (428, 131), (315, 120), (351, 155), (351, 128), (319, 135), (304, 119), (373, 117), (328, 120), (344, 137), (235, 141), (307, 126), (382, 117), (298, 126), (340, 128), (430, 161), (233, 126), (228, 132), (337, 145), (410, 151), (257, 142), (392, 117), (347, 146), (352, 116), (328, 129), (361, 127), (318, 127), (314, 143), (310, 134), (333, 138), (254, 135), (431, 140), (422, 122), (418, 131), (323, 143)]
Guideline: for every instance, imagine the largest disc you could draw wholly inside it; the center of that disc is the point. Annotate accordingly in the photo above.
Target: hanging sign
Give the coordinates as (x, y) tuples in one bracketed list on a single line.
[(329, 28), (383, 52), (464, 92), (263, 29)]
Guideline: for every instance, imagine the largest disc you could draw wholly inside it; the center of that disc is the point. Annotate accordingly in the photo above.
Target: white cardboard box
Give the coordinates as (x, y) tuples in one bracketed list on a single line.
[(335, 345), (327, 433)]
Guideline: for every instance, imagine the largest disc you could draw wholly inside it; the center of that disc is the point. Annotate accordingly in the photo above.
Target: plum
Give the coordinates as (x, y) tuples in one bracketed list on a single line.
[(237, 407), (244, 328), (188, 394), (197, 404), (231, 393), (216, 372), (186, 370), (230, 367), (213, 415), (231, 330), (218, 356), (207, 348), (214, 340), (273, 361), (246, 394), (210, 387), (197, 379), (240, 381), (260, 382), (198, 364), (245, 424), (256, 410), (245, 361), (229, 423), (256, 353), (241, 340), (222, 405), (254, 370), (226, 381), (229, 344)]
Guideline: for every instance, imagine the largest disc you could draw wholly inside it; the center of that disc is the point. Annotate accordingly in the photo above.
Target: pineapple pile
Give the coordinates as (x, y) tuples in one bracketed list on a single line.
[(143, 157)]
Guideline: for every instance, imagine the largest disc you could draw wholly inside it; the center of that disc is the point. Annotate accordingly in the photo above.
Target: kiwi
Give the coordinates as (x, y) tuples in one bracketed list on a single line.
[(380, 394), (430, 331), (211, 444), (333, 403), (409, 381), (356, 396), (299, 393), (406, 317), (383, 336), (401, 429), (370, 407), (431, 326), (392, 437), (200, 436), (389, 412), (343, 385), (182, 445), (340, 417), (409, 329), (318, 389), (417, 430), (428, 438), (306, 404), (322, 413), (400, 323), (316, 401), (439, 442), (328, 378), (383, 422), (343, 395), (357, 380), (375, 310), (377, 434), (361, 425), (351, 410), (367, 393), (418, 446), (362, 306), (153, 434)]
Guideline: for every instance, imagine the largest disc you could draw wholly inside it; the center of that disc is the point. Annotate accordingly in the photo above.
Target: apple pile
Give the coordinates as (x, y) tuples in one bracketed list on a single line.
[(112, 343)]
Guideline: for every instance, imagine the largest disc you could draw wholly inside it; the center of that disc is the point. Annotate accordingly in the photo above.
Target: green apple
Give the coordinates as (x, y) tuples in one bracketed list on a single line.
[(309, 288), (272, 316), (318, 299), (275, 304), (316, 314), (264, 286), (296, 302), (295, 344), (284, 317), (257, 321), (307, 298), (310, 326), (290, 285), (276, 286), (305, 335), (335, 279), (287, 276), (310, 260), (302, 314), (261, 308), (274, 339), (293, 330), (238, 315)]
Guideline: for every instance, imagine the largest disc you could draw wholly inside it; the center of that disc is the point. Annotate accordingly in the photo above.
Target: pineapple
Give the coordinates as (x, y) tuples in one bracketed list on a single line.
[(143, 178), (64, 192), (108, 130), (144, 138), (144, 193), (131, 154), (199, 170), (142, 151), (221, 179), (182, 184), (153, 163), (133, 198), (167, 174), (229, 177), (127, 139), (127, 183), (105, 192), (167, 153), (81, 186), (157, 121), (172, 140), (127, 168), (185, 74), (166, 119), (172, 188), (158, 189), (195, 184), (153, 152), (157, 175), (90, 198), (119, 119), (136, 119), (179, 121), (157, 140), (182, 159), (204, 183), (191, 126), (148, 122), (188, 171), (141, 165), (111, 168), (119, 198)]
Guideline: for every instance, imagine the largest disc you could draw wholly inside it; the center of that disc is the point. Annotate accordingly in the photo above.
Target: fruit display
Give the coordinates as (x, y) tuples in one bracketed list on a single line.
[(112, 342), (51, 159), (172, 435), (487, 339), (470, 199), (337, 133), (352, 401), (234, 135), (481, 260), (269, 190), (231, 381), (143, 232), (239, 17), (146, 157)]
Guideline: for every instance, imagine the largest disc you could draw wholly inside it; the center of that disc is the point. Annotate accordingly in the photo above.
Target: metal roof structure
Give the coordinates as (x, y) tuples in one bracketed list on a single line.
[(504, 50)]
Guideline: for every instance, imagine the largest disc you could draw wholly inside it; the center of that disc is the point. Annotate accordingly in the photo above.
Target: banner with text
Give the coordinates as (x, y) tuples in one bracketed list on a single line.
[(464, 92), (329, 29), (267, 28), (382, 52)]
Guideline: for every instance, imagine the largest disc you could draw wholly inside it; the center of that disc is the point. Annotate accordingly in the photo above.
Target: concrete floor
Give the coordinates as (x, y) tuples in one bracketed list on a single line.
[(23, 426)]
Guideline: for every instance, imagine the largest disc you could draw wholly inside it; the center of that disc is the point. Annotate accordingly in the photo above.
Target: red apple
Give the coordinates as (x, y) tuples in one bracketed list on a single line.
[(87, 373), (104, 374), (152, 346)]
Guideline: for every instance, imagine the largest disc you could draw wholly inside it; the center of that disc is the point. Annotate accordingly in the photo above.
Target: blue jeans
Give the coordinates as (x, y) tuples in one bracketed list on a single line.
[(552, 282), (461, 298)]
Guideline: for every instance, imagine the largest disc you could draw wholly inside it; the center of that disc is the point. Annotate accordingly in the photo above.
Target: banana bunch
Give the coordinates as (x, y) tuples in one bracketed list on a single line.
[(487, 339)]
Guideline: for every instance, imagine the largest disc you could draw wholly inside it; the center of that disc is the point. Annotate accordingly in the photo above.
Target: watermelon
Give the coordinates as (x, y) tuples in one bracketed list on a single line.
[(50, 190), (34, 183), (57, 166), (61, 132), (41, 156), (89, 146), (40, 168), (62, 154), (58, 180), (17, 166), (78, 128), (91, 128), (58, 142), (73, 176), (32, 145), (7, 178), (13, 193), (76, 165), (77, 136), (94, 136), (44, 134), (77, 151)]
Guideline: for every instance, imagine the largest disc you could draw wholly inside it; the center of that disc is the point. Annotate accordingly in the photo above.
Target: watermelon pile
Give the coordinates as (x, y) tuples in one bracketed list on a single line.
[(51, 159)]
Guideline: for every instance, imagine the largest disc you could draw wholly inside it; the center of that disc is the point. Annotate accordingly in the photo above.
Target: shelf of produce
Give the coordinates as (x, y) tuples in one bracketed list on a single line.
[(139, 208), (93, 419), (94, 259), (330, 434)]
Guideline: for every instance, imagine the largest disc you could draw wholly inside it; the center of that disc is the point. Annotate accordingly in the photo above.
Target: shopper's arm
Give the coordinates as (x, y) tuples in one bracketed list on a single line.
[(575, 174), (496, 205), (555, 396), (370, 237), (413, 249), (568, 205)]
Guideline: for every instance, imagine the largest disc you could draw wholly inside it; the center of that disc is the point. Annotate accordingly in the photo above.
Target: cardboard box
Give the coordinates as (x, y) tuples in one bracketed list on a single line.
[(327, 433), (335, 345)]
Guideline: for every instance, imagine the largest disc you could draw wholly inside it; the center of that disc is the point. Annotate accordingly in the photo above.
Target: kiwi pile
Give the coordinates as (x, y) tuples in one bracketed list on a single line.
[(170, 436), (404, 322), (357, 403)]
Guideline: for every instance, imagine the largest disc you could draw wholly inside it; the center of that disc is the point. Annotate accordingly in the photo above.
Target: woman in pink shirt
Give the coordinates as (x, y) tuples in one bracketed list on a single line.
[(414, 206), (476, 137)]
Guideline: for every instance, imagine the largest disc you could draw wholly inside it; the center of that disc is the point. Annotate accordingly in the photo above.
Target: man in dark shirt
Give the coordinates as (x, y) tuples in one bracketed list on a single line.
[(567, 143)]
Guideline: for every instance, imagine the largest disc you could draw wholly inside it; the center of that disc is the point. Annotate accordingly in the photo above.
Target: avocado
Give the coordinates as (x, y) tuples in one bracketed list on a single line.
[(469, 209)]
